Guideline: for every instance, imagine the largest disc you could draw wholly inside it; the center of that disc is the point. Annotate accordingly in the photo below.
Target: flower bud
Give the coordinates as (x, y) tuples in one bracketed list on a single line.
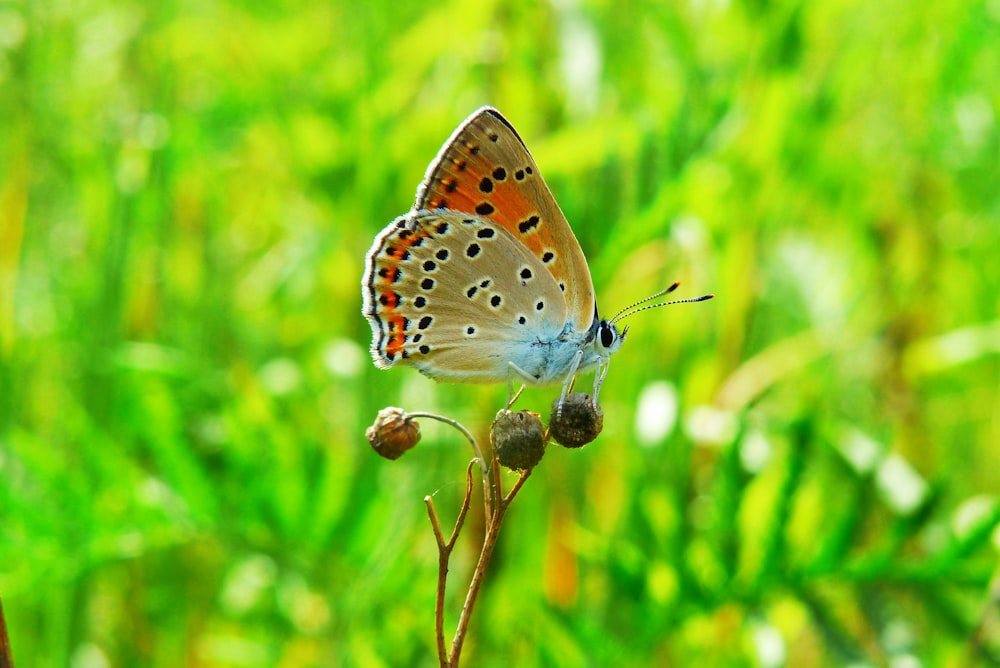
[(517, 439), (576, 420), (393, 433)]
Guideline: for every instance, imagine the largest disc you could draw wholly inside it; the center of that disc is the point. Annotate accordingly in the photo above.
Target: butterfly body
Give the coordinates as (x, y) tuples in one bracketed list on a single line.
[(483, 280)]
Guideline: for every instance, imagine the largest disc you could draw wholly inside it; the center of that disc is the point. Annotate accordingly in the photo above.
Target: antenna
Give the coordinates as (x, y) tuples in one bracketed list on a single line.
[(632, 310), (666, 291)]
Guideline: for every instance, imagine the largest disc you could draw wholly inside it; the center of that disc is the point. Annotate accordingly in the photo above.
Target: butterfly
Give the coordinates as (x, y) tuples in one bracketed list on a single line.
[(483, 280)]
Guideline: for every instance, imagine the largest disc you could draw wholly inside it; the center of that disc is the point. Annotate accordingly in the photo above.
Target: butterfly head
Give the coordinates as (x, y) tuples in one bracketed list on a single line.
[(608, 340)]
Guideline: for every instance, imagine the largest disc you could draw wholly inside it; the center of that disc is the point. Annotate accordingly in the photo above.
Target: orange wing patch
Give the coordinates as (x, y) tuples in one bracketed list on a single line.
[(497, 179), (396, 249)]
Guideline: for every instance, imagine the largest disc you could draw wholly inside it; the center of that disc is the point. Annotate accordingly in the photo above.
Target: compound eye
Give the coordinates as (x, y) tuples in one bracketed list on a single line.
[(606, 334)]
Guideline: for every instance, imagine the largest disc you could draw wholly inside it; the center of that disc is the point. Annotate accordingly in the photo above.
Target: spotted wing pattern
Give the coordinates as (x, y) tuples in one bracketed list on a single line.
[(485, 169), (458, 296)]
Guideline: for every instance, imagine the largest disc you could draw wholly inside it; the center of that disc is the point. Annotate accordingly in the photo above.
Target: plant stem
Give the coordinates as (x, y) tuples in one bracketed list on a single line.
[(444, 555), (495, 507), (6, 656), (489, 543), (457, 425)]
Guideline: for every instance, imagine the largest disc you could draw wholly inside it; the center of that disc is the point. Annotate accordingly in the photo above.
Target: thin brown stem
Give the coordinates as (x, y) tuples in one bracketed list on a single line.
[(435, 522), (444, 556), (496, 489), (465, 506), (6, 655), (516, 488), (457, 425), (489, 543), (495, 506)]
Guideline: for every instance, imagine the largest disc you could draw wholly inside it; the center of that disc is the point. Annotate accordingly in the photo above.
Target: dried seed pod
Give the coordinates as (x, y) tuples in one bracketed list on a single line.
[(576, 420), (517, 439), (393, 433)]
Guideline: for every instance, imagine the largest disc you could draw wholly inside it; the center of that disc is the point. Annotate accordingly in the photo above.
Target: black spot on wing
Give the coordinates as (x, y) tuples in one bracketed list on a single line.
[(528, 224)]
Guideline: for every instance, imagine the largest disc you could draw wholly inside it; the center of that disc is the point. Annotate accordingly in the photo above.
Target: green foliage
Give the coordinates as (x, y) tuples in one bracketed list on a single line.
[(187, 191)]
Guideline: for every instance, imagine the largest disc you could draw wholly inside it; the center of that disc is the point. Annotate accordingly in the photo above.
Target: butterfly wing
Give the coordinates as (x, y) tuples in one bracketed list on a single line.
[(459, 297), (485, 169)]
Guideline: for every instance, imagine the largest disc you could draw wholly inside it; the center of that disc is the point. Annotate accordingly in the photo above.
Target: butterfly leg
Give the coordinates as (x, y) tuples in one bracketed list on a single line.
[(512, 371), (571, 375), (599, 375), (568, 383)]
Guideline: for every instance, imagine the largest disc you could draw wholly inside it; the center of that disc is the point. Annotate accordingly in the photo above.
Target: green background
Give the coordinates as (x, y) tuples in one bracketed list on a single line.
[(187, 192)]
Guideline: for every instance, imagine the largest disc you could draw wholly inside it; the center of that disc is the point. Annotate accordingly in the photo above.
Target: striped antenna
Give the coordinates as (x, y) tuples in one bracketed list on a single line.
[(632, 310)]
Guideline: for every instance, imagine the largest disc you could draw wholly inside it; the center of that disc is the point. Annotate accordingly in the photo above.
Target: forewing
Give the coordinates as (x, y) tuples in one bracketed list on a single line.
[(485, 169)]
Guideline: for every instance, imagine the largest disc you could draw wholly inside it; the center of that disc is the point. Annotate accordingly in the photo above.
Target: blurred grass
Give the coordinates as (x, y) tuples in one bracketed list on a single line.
[(187, 191)]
